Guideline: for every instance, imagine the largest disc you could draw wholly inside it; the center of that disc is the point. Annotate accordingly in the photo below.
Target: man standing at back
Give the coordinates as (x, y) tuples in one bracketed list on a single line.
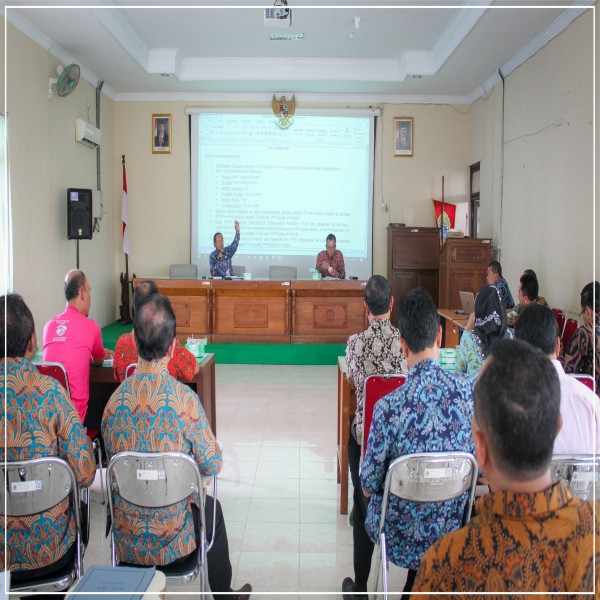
[(579, 406), (431, 412), (39, 421), (529, 535), (75, 341)]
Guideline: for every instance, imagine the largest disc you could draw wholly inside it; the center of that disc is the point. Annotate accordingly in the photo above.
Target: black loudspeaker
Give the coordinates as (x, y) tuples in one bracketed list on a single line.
[(79, 214)]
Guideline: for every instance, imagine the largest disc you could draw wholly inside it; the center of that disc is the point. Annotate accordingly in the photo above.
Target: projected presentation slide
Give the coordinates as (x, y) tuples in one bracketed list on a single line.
[(288, 188)]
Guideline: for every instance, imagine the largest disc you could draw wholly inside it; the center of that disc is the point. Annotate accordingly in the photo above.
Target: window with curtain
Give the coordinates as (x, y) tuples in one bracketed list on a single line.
[(6, 265)]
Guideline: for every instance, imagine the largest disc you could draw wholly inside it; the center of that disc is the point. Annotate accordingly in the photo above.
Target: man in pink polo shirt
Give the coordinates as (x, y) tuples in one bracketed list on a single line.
[(75, 341)]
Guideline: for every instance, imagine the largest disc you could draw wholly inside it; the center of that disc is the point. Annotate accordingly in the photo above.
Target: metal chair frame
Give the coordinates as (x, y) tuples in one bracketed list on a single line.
[(35, 486), (277, 272), (427, 482), (581, 472), (375, 388), (183, 271), (157, 479), (57, 371)]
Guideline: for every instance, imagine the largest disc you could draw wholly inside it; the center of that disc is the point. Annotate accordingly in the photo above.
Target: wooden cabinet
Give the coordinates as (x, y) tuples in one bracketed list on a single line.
[(463, 268), (413, 260)]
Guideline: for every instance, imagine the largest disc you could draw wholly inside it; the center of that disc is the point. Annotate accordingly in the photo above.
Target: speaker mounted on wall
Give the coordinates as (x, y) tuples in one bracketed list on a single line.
[(79, 214)]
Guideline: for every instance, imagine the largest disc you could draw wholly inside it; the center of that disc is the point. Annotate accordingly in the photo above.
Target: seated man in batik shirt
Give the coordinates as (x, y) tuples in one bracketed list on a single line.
[(40, 420), (529, 534)]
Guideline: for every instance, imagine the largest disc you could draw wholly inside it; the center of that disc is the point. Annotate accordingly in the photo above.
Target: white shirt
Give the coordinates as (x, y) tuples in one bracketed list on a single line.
[(580, 411)]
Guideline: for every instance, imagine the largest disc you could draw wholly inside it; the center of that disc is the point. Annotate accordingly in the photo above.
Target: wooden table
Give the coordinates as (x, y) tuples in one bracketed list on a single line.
[(327, 312), (452, 327), (103, 384), (251, 311), (266, 312), (346, 410)]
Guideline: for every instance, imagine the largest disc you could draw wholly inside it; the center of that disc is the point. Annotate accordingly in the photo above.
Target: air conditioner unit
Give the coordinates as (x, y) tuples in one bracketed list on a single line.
[(87, 134), (280, 16)]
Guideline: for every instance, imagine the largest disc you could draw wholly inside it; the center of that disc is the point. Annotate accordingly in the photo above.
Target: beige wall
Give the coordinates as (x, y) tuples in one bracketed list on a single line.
[(44, 161), (543, 222), (159, 185), (543, 217)]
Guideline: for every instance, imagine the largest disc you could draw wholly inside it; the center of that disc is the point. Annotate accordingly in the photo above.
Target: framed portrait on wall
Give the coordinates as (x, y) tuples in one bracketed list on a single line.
[(161, 134), (403, 136)]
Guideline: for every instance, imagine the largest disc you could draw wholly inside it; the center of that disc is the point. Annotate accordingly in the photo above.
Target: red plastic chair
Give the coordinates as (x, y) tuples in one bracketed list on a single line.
[(130, 369), (570, 328), (587, 380), (376, 387), (56, 371), (559, 313)]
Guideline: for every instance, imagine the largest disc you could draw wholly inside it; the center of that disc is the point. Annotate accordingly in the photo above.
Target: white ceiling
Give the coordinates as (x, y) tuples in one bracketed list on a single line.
[(402, 51)]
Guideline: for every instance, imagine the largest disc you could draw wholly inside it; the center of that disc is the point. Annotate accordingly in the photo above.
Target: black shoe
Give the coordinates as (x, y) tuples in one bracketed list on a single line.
[(243, 593), (349, 593)]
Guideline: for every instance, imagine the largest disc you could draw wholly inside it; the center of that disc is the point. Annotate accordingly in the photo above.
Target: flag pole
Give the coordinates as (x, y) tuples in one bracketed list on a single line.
[(125, 308), (442, 219)]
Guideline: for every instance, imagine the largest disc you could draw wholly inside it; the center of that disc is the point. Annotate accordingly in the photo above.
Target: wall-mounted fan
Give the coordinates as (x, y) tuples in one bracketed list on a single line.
[(67, 81)]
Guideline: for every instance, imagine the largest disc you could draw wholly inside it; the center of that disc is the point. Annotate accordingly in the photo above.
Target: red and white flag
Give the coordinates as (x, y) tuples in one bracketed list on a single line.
[(124, 217)]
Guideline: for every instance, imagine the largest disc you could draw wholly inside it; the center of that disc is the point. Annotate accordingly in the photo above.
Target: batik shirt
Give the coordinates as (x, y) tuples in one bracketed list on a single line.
[(431, 412), (40, 421), (375, 351), (336, 262), (469, 358), (518, 542), (182, 365), (152, 412), (505, 296), (579, 356), (222, 267)]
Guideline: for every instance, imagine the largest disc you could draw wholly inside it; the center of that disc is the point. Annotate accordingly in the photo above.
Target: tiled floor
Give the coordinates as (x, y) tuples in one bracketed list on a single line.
[(278, 484)]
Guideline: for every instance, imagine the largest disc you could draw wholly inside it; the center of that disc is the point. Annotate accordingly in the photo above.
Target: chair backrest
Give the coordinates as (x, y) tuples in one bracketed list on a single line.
[(587, 380), (183, 272), (129, 369), (570, 328), (238, 271), (431, 477), (375, 388), (152, 479), (559, 313), (56, 371), (282, 272), (35, 486), (581, 473)]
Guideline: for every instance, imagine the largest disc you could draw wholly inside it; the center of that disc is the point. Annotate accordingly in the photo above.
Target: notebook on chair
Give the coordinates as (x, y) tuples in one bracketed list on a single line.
[(468, 302)]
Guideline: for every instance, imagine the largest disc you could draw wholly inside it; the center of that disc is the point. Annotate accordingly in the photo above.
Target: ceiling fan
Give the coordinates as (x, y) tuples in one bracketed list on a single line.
[(67, 81)]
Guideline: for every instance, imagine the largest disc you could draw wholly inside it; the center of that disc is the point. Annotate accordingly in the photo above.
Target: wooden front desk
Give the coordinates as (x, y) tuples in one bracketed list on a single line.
[(266, 312), (103, 384), (452, 327), (327, 312), (346, 410), (251, 311)]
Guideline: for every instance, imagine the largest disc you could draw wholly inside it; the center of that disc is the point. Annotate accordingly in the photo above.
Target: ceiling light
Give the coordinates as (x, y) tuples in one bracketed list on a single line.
[(286, 37)]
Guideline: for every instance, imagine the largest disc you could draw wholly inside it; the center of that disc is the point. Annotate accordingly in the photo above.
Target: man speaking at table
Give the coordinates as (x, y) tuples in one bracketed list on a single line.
[(220, 258), (330, 262)]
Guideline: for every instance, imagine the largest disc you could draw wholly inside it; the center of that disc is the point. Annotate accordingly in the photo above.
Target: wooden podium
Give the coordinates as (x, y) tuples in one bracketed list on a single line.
[(463, 268)]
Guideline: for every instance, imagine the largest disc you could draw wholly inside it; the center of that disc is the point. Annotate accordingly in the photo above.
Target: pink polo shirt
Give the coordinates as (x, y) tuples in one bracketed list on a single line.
[(74, 340)]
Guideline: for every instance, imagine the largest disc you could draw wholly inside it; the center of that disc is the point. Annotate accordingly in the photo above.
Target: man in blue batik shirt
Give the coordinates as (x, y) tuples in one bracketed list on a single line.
[(494, 277), (220, 258), (431, 412)]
